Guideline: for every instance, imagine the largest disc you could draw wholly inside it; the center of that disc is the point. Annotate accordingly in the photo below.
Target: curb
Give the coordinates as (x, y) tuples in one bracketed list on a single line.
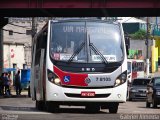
[(14, 96)]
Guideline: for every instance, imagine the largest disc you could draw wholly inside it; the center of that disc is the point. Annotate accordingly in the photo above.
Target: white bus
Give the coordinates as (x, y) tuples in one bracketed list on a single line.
[(135, 69), (79, 62)]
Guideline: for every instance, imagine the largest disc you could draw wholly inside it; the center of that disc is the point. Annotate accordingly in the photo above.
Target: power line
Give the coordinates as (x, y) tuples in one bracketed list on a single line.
[(19, 25)]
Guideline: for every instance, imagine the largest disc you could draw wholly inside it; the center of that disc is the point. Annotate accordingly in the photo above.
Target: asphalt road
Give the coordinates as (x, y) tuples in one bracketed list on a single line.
[(24, 109)]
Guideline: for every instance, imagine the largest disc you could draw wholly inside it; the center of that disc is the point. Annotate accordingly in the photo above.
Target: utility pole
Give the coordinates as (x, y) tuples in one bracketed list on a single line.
[(3, 22), (1, 50), (34, 28), (147, 45)]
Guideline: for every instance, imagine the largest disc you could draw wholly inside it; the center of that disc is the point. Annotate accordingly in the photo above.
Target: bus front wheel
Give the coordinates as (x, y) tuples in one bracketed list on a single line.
[(113, 107), (40, 105), (92, 108), (51, 107)]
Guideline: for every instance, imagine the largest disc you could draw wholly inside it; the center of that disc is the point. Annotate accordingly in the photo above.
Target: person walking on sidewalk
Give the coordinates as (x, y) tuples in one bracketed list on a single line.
[(18, 83), (9, 83), (6, 84)]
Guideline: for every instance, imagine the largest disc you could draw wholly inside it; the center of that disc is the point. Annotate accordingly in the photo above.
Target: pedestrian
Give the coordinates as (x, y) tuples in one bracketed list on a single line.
[(9, 83), (6, 84), (29, 93), (2, 84), (18, 83)]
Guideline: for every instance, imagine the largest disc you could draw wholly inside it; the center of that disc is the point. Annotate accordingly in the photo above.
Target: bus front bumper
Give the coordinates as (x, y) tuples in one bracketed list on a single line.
[(61, 94)]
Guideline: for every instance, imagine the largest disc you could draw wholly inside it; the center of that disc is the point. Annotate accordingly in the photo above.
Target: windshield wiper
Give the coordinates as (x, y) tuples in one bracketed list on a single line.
[(97, 52), (76, 52)]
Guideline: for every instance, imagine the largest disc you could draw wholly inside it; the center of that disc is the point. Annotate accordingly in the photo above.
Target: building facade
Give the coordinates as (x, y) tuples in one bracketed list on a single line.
[(17, 41)]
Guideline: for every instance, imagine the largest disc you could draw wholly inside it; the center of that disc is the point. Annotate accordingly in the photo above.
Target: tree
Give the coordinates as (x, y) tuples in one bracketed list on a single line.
[(140, 34)]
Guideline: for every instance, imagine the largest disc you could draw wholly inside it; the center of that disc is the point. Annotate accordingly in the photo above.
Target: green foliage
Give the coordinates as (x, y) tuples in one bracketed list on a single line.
[(140, 34)]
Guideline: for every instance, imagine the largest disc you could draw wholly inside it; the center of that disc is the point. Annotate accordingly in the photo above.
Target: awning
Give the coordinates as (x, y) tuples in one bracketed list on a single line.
[(9, 69)]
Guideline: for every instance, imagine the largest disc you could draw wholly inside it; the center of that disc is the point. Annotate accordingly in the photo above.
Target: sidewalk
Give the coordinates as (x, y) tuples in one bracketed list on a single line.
[(24, 94)]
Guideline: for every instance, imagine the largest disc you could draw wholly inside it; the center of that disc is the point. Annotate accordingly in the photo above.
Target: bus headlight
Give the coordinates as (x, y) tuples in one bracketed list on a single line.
[(53, 78), (57, 81), (121, 79), (118, 81)]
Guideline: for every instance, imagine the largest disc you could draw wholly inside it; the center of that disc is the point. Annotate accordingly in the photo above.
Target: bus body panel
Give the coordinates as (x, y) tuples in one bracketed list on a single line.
[(94, 80), (51, 92), (57, 93)]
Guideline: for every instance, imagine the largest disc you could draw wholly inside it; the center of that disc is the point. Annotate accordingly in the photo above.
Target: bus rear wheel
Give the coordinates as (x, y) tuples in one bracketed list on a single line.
[(113, 107)]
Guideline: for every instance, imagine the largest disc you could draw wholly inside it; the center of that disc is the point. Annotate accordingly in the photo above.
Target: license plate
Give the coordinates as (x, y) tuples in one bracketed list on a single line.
[(142, 94), (90, 94)]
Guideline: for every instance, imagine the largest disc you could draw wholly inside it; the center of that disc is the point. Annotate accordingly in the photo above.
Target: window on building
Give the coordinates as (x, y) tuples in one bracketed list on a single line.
[(10, 32), (28, 32)]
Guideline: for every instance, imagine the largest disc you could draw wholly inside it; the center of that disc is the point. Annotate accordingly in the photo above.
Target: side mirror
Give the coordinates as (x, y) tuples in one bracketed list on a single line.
[(127, 42), (127, 49)]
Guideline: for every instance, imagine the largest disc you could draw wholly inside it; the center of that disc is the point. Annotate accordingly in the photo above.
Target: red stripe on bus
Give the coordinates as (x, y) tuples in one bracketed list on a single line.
[(76, 79), (134, 75)]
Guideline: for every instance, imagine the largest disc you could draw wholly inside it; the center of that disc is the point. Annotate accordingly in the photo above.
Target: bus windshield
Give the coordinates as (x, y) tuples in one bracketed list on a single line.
[(73, 41)]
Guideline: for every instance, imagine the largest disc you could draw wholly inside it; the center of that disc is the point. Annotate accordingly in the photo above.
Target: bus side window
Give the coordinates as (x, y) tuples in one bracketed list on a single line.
[(37, 52), (139, 66), (142, 66), (133, 66), (41, 44), (44, 45)]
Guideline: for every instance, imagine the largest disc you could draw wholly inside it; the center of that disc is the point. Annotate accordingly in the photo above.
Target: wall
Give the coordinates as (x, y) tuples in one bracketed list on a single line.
[(140, 45), (20, 26), (13, 54)]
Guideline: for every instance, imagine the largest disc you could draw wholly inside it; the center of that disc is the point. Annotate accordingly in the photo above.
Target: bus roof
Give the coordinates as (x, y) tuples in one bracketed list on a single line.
[(84, 19)]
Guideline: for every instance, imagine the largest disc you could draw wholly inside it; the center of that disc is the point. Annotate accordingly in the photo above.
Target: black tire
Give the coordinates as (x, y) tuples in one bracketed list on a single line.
[(92, 108), (39, 105), (130, 99), (154, 103), (113, 108), (51, 107), (148, 104)]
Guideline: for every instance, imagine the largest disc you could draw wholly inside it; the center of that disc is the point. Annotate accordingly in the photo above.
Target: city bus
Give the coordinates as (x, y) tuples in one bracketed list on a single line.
[(79, 62), (135, 69)]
